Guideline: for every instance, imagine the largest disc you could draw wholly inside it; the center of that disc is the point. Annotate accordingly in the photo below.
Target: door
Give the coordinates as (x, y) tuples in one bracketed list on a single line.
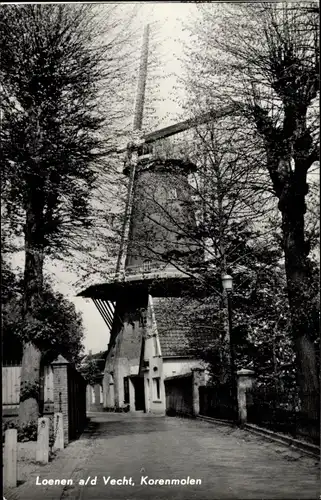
[(139, 393)]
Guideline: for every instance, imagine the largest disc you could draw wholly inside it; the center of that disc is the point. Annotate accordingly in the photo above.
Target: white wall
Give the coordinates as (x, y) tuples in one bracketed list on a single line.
[(179, 366)]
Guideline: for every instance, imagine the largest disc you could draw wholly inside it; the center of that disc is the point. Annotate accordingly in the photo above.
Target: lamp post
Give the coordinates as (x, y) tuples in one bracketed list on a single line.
[(227, 284)]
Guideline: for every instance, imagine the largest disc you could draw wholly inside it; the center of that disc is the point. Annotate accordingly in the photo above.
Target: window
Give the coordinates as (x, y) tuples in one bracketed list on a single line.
[(126, 390), (142, 317), (146, 265), (156, 382), (156, 353)]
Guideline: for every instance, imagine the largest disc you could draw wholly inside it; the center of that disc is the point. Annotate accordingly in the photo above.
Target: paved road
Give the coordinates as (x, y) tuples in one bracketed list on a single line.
[(230, 463)]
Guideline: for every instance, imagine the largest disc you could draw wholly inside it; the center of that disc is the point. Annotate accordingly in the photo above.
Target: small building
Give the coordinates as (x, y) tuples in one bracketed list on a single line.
[(92, 368), (152, 347)]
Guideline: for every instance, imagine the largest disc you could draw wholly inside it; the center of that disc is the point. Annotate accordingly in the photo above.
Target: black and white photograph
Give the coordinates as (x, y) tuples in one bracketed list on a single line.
[(160, 250)]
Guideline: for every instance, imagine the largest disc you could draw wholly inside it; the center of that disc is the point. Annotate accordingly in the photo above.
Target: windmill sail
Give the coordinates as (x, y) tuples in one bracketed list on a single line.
[(138, 122)]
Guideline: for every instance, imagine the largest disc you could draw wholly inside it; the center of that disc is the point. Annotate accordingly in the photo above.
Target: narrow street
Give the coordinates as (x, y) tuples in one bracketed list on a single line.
[(230, 463)]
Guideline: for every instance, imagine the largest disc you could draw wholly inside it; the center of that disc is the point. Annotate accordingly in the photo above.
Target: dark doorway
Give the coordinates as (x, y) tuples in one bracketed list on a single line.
[(139, 393), (126, 390)]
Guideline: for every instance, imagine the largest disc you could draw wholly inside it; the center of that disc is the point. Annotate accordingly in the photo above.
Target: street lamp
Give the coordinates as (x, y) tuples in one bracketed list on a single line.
[(227, 284)]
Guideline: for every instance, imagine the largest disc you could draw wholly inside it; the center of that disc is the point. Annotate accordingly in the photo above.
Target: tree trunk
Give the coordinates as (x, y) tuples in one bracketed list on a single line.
[(32, 300), (29, 390), (301, 303)]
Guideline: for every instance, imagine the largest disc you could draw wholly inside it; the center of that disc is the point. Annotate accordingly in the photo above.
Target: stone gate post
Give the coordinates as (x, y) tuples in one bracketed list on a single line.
[(61, 394), (245, 380), (198, 379)]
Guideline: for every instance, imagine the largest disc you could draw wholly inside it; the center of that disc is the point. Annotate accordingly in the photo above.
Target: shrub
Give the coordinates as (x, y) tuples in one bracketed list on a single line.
[(27, 432)]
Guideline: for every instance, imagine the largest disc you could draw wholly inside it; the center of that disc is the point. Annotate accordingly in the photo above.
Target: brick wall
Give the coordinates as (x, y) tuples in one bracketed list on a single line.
[(60, 377), (69, 397), (124, 358)]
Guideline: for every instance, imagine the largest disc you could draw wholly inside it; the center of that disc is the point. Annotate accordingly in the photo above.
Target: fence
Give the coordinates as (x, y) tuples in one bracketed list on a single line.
[(281, 411), (217, 402), (62, 389), (153, 270), (11, 375)]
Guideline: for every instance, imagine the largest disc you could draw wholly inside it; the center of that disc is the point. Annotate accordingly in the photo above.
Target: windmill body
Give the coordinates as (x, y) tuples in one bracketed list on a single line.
[(143, 304), (161, 215), (148, 342)]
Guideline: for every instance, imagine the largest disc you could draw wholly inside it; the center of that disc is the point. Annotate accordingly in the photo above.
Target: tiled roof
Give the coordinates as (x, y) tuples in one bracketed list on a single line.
[(99, 357), (179, 332)]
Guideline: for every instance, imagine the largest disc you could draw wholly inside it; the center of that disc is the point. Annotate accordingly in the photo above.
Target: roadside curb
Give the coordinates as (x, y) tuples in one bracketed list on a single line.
[(308, 448), (216, 420)]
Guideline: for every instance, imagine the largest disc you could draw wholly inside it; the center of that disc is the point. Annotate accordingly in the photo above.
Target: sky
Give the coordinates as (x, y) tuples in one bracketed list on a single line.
[(166, 29)]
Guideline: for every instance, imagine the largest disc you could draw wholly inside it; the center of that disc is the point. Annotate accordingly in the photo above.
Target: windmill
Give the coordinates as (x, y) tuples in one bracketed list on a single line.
[(145, 277)]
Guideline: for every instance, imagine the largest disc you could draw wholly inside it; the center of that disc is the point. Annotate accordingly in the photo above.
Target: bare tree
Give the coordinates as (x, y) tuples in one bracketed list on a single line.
[(262, 60)]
